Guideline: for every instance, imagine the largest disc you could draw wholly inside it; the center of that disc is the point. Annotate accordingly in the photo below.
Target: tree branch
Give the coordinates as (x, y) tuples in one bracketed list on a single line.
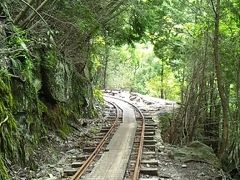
[(30, 18), (59, 20), (213, 7), (23, 12), (5, 120)]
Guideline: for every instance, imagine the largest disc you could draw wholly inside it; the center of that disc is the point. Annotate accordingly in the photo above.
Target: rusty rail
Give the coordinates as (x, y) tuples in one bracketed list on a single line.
[(140, 149), (90, 159)]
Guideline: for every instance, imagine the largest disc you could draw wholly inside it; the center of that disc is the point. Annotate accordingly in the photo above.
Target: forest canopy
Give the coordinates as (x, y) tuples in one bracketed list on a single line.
[(196, 61)]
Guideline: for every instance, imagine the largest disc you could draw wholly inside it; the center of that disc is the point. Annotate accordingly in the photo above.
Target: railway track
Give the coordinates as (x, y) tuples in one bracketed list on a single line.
[(147, 166), (142, 162), (91, 153)]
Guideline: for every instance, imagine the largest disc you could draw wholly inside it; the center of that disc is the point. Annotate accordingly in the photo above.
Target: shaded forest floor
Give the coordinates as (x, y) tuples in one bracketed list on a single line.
[(51, 158)]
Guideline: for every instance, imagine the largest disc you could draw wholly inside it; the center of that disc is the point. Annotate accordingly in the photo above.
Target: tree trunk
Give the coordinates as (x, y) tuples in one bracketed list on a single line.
[(235, 123), (106, 58), (105, 71), (221, 88), (162, 73)]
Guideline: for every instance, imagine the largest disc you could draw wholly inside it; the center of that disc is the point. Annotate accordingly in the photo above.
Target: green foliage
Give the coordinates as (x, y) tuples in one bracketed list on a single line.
[(50, 61), (27, 102), (154, 86), (175, 61), (139, 70), (79, 13), (182, 64), (98, 95), (19, 39), (3, 170), (20, 108)]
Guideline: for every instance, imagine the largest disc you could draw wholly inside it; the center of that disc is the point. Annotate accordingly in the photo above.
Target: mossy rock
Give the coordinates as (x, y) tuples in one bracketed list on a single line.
[(57, 78), (198, 152)]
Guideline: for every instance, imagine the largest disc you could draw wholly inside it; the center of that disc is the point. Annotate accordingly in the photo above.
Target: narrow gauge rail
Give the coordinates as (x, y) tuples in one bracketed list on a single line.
[(91, 158), (140, 148), (136, 172)]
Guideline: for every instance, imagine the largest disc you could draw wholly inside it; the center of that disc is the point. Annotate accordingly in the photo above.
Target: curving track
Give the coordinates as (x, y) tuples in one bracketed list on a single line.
[(135, 174), (123, 155), (92, 157)]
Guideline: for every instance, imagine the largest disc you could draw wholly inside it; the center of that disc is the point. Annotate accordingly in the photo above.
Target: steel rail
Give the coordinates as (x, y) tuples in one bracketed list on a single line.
[(140, 147), (90, 159)]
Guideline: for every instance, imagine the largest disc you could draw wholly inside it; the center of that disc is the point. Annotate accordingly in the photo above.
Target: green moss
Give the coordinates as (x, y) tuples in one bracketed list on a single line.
[(57, 118), (5, 92), (3, 170), (28, 117), (50, 60), (8, 130), (20, 106)]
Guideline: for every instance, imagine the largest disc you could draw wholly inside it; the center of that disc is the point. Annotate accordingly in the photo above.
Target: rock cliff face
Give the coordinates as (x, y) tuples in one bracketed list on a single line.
[(40, 90), (58, 80)]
